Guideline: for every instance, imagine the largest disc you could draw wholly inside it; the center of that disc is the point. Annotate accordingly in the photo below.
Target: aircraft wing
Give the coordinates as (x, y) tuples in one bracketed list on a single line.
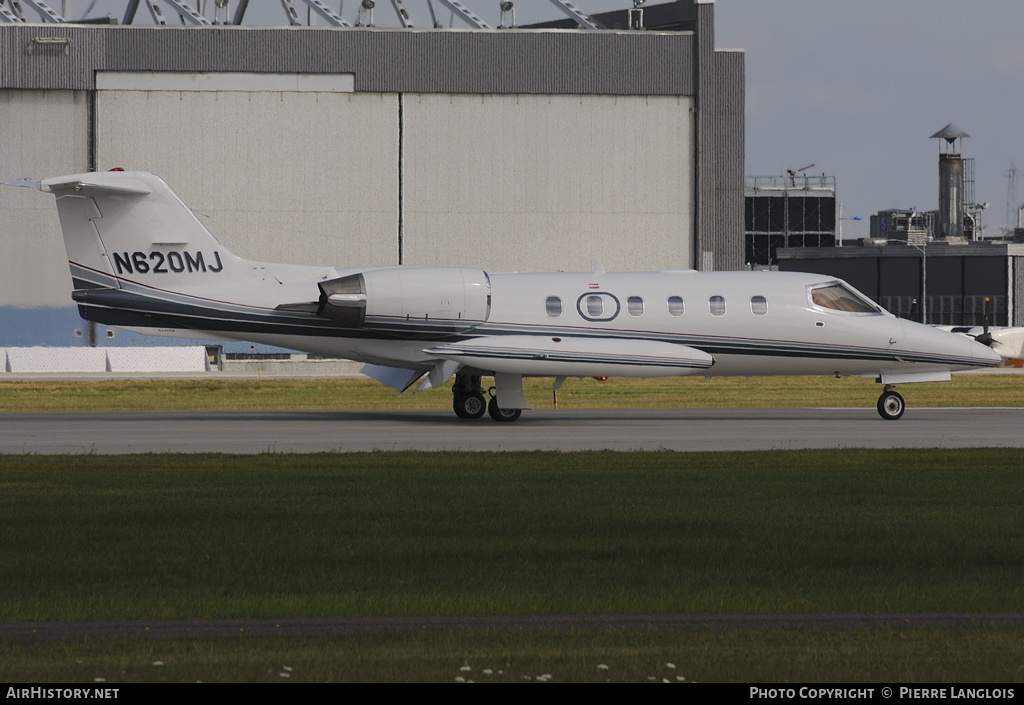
[(564, 356)]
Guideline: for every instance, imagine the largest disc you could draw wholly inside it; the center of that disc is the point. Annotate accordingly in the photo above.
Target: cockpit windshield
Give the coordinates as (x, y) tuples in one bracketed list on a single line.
[(839, 297)]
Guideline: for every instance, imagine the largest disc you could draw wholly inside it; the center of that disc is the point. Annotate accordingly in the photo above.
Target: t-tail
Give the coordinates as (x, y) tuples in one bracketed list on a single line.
[(126, 227)]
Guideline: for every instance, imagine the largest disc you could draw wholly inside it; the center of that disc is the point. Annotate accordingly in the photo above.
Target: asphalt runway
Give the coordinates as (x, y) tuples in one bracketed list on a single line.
[(630, 429)]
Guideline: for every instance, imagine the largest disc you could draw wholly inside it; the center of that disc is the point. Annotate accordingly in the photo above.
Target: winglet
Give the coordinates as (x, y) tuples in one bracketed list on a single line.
[(598, 267)]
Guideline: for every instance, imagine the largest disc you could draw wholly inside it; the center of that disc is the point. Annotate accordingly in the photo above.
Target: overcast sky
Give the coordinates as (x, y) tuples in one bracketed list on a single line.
[(855, 87)]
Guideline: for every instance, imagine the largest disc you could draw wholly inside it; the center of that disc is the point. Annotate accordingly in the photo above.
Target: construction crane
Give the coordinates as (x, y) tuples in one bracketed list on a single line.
[(792, 173)]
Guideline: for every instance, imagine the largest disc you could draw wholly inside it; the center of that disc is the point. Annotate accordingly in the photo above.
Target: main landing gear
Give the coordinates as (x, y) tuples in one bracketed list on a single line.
[(468, 401), (891, 405)]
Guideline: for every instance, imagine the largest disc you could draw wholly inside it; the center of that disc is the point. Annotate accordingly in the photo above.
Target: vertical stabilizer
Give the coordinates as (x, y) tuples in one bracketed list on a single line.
[(127, 226)]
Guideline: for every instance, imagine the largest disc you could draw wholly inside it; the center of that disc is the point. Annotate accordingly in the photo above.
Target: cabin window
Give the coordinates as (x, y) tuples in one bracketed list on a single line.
[(675, 306), (759, 305), (553, 306), (838, 297), (717, 305), (595, 306), (635, 306)]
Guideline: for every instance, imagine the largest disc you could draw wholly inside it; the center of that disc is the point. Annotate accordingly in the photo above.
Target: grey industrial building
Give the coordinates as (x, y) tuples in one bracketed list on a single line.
[(931, 266), (510, 149)]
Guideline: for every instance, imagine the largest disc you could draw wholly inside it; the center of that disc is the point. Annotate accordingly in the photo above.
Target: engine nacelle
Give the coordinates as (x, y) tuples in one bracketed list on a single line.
[(431, 300)]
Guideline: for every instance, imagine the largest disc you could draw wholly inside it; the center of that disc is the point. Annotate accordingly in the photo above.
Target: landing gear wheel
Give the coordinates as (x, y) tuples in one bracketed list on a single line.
[(891, 405), (499, 414), (469, 406)]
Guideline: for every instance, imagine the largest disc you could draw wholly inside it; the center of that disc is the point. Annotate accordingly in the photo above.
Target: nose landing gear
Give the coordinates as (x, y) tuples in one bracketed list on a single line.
[(891, 405)]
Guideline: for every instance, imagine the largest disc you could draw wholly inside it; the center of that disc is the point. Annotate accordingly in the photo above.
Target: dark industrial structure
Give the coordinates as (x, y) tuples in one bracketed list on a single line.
[(930, 266), (797, 210)]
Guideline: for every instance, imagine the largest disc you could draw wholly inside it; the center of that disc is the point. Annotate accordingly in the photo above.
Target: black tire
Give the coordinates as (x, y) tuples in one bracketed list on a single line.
[(503, 415), (891, 406), (470, 406)]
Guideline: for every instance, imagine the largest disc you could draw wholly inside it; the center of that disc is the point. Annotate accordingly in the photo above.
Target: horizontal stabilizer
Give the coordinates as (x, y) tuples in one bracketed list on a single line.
[(555, 356), (96, 184), (23, 183)]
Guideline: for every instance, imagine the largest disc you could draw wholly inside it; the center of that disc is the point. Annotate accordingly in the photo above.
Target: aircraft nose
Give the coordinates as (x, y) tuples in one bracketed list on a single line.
[(981, 354), (986, 355), (964, 349)]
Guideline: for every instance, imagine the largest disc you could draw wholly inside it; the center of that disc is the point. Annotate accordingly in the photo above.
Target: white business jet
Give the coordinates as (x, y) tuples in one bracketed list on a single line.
[(141, 260)]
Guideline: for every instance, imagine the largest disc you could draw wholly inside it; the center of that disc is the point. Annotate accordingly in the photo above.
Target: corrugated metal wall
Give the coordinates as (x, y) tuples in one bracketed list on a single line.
[(540, 183), (309, 178), (383, 60), (44, 134)]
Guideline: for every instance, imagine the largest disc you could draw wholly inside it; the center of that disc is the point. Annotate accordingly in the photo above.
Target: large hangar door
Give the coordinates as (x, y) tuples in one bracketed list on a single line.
[(541, 182), (45, 134), (278, 169)]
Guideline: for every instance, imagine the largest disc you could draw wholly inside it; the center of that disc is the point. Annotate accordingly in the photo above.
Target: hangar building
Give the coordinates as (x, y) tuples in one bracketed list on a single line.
[(533, 148)]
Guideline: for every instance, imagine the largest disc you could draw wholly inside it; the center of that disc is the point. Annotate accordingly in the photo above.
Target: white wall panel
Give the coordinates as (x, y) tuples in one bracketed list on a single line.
[(45, 133), (548, 182), (41, 359), (310, 178)]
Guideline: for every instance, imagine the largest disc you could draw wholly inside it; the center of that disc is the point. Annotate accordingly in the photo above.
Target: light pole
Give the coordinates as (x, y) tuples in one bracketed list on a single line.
[(841, 219), (923, 249)]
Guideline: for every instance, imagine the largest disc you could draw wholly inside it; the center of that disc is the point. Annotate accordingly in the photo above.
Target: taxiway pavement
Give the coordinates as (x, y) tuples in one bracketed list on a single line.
[(349, 431)]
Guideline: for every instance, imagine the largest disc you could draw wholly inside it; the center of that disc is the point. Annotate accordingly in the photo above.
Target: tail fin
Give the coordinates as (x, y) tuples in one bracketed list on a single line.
[(129, 227)]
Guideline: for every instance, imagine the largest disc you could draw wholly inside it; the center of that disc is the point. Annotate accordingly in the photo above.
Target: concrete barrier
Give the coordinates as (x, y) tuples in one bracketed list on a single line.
[(85, 360), (163, 359), (42, 360)]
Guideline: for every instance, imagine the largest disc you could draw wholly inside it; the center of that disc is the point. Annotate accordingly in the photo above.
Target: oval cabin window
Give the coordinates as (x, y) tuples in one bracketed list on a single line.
[(635, 306), (759, 305), (598, 306), (553, 306), (717, 305), (675, 306)]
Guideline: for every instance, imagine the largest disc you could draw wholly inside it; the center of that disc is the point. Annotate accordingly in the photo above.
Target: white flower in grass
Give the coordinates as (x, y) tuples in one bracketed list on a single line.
[(670, 665), (602, 666), (285, 675), (465, 669), (97, 679), (487, 672), (158, 663)]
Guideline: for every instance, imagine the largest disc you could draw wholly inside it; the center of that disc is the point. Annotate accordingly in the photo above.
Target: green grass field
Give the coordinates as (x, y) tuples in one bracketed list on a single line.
[(872, 655), (92, 537), (462, 533), (353, 394)]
